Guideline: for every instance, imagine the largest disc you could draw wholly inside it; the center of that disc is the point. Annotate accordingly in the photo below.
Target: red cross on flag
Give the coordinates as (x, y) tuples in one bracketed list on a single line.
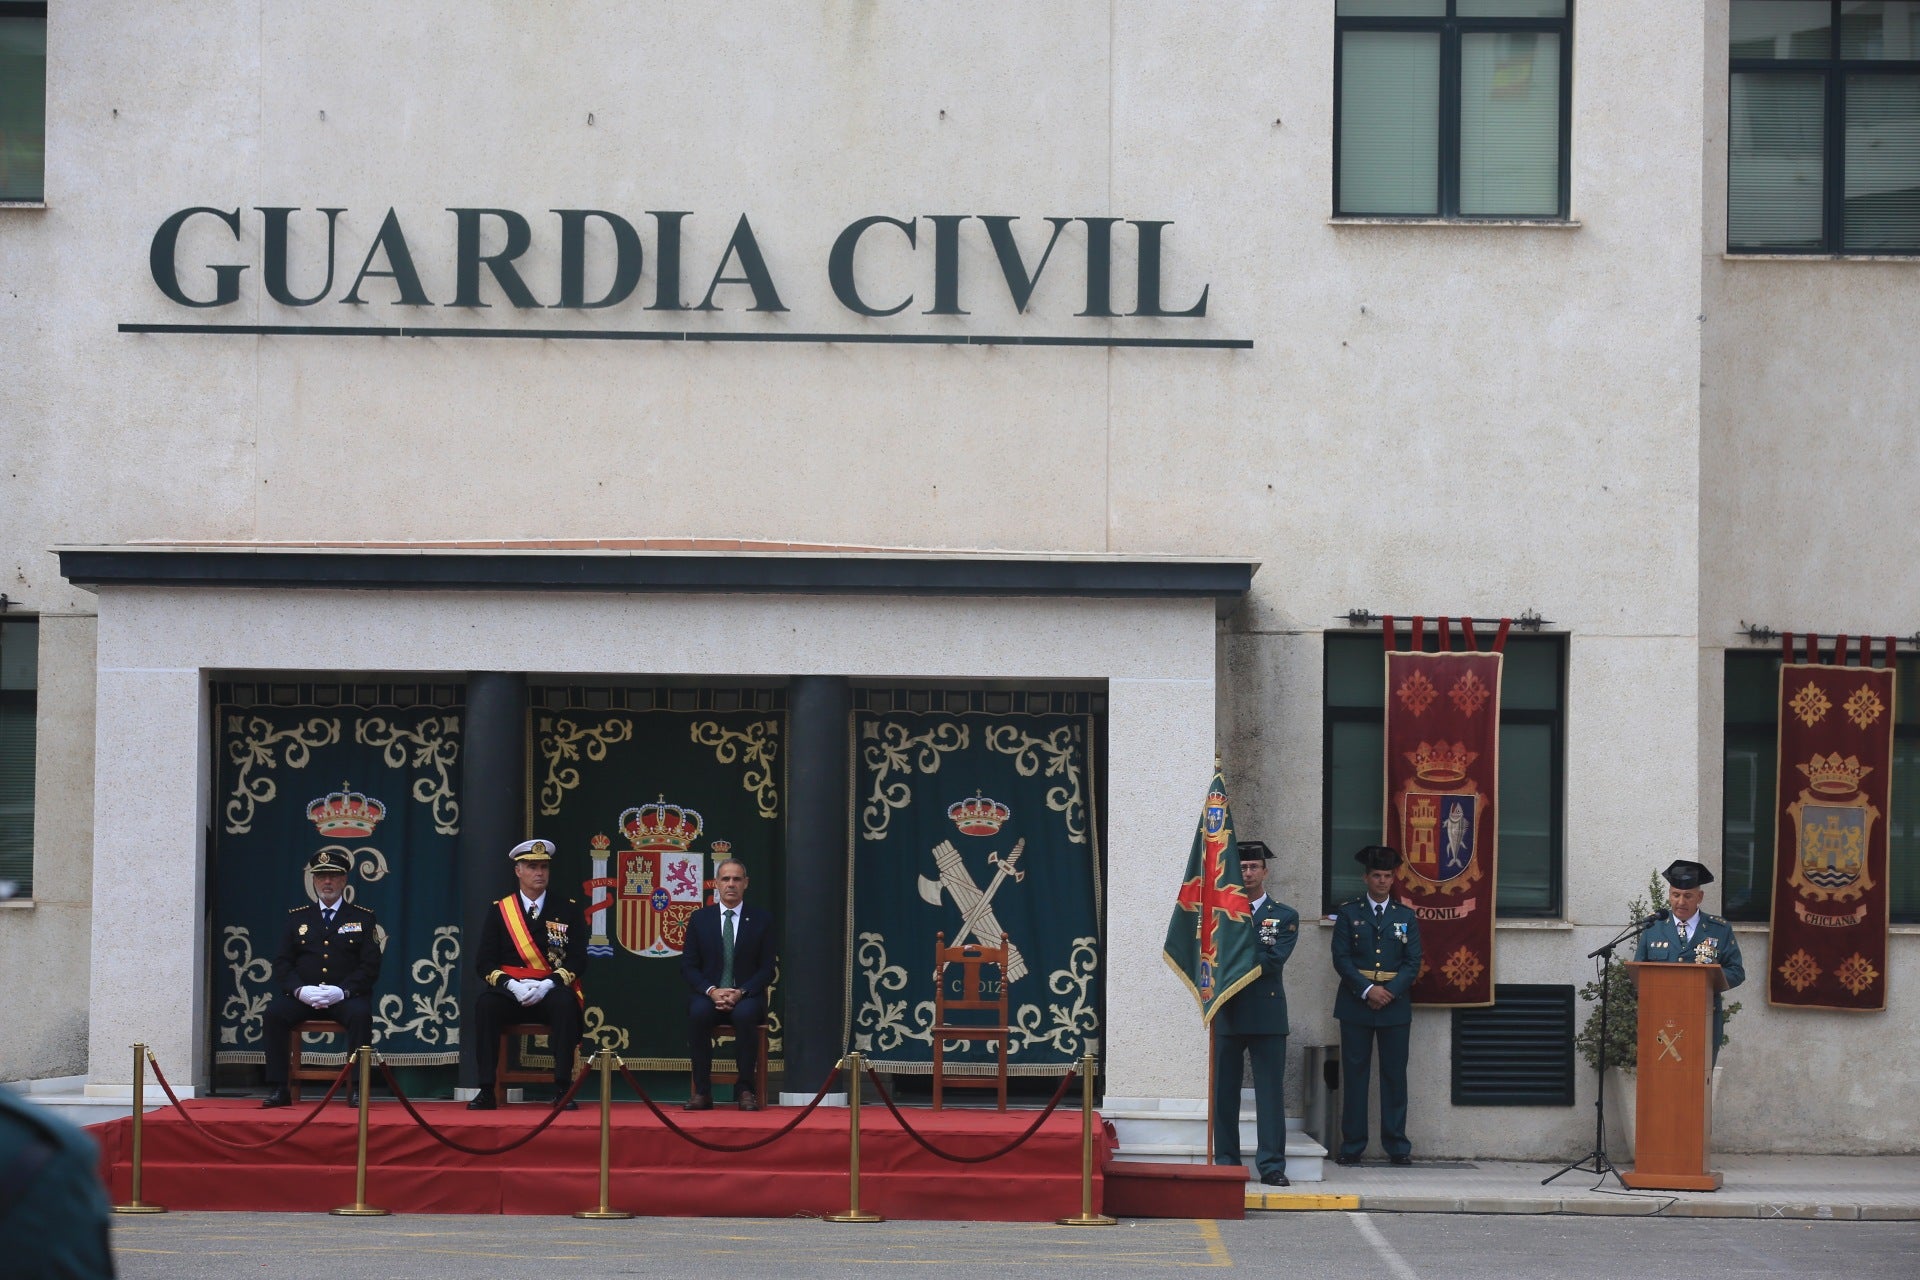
[(1213, 956)]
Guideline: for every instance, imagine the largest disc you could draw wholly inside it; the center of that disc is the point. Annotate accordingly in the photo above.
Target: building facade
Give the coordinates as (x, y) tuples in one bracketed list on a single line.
[(1116, 352)]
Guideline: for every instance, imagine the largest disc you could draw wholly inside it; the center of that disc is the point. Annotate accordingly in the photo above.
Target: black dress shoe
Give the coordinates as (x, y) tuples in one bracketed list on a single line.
[(570, 1105), (698, 1102), (353, 1098), (1402, 1161), (483, 1101), (1344, 1159), (278, 1098), (1276, 1180), (746, 1100)]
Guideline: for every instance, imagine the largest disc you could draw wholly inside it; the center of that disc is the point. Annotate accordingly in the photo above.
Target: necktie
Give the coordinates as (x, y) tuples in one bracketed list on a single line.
[(726, 949), (327, 914)]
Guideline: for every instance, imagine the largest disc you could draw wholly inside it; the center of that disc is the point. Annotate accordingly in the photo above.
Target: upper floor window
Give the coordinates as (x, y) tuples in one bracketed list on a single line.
[(1532, 783), (19, 683), (1823, 127), (23, 102), (1451, 108)]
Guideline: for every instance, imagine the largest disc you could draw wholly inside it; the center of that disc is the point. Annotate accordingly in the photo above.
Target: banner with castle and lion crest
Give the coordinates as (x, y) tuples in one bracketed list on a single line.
[(371, 771), (1830, 893), (973, 824), (642, 801), (1442, 782)]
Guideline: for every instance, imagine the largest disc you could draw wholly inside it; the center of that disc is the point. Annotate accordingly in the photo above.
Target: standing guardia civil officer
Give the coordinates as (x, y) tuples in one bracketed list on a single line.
[(329, 960), (1376, 953), (1692, 936), (1254, 1022), (532, 948)]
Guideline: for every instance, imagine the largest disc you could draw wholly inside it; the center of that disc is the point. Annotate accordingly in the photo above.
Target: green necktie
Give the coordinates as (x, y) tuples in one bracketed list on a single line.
[(726, 948)]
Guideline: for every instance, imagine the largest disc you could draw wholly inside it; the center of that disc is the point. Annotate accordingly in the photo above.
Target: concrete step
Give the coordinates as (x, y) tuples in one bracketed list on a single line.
[(1174, 1131), (67, 1097)]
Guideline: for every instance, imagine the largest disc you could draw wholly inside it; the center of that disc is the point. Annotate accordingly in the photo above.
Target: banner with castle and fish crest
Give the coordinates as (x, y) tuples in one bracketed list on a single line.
[(301, 768), (1828, 941), (970, 825), (642, 803)]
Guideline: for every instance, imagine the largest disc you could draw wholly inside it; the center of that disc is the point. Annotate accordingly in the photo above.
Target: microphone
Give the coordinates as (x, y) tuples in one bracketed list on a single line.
[(1661, 914), (1633, 930)]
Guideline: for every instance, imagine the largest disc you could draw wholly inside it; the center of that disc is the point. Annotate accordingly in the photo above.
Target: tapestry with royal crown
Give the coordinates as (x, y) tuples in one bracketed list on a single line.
[(643, 793), (371, 771), (1442, 780), (1828, 943), (972, 824)]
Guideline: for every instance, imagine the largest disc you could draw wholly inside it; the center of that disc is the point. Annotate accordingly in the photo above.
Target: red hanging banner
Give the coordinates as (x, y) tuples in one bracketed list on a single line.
[(1442, 774), (1830, 897)]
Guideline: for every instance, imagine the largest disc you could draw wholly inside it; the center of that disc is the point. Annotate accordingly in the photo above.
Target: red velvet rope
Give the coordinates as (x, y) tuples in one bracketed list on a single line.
[(559, 1105), (210, 1136), (1032, 1129), (730, 1148)]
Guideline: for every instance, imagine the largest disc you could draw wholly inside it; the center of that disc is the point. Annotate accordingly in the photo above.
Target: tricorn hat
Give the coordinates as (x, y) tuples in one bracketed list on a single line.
[(1255, 851), (532, 851), (334, 860), (1377, 857), (1682, 874)]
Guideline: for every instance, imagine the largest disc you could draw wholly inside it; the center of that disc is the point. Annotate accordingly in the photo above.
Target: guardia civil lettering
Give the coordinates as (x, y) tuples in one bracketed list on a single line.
[(664, 260)]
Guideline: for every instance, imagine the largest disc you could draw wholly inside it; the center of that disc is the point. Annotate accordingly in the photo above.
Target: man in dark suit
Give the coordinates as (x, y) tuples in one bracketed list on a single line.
[(1691, 936), (1254, 1021), (728, 964), (532, 948), (1376, 953), (328, 962)]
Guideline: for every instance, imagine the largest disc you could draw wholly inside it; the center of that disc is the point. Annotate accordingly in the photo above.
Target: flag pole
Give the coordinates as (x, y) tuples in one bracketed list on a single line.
[(1211, 1077)]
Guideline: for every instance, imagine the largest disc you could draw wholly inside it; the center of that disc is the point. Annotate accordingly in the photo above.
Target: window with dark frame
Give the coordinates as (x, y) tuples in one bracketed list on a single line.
[(1748, 804), (1823, 127), (23, 102), (1532, 781), (19, 690), (1452, 108)]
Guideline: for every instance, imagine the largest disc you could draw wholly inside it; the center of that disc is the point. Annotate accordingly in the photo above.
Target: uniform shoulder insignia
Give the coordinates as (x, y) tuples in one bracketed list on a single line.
[(294, 911), (1711, 919)]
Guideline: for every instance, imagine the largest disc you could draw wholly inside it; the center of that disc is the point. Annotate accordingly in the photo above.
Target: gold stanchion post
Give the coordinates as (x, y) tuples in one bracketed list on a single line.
[(360, 1208), (140, 1056), (1087, 1218), (604, 1060), (853, 1213)]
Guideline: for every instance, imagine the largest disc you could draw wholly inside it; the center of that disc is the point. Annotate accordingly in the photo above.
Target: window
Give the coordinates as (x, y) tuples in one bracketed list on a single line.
[(1748, 806), (23, 101), (1823, 127), (1532, 745), (1451, 108), (19, 668)]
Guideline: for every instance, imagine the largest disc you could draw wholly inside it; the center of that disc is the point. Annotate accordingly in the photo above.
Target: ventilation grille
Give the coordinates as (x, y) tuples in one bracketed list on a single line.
[(1519, 1052)]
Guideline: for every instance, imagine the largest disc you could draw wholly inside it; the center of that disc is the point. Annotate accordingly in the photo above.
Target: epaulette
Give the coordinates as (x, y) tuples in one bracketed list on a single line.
[(1711, 919), (294, 911)]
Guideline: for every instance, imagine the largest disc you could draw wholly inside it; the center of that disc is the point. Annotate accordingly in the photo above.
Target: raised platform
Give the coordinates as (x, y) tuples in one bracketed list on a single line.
[(1174, 1131), (655, 1172)]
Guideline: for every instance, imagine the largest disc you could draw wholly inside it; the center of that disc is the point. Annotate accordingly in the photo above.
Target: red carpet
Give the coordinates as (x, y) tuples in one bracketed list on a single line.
[(655, 1172)]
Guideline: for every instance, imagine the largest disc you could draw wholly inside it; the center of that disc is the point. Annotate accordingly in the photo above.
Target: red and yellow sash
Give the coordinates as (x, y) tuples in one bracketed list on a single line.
[(534, 966)]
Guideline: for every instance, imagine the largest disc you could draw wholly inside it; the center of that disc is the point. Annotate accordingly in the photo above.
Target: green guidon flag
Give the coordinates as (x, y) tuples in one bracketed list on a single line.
[(1213, 960)]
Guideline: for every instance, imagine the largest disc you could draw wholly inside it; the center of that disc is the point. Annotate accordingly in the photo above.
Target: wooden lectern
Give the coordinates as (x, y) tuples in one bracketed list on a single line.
[(1673, 1124)]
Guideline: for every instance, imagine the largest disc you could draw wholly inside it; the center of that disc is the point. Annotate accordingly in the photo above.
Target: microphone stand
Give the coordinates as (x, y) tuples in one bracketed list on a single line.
[(1595, 1161)]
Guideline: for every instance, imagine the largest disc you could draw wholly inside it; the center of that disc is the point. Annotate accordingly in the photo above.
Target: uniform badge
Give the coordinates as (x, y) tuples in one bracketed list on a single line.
[(303, 930), (1706, 951), (1400, 930), (352, 926)]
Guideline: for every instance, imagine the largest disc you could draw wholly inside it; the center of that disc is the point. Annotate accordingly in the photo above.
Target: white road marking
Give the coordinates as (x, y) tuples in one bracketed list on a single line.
[(1388, 1254)]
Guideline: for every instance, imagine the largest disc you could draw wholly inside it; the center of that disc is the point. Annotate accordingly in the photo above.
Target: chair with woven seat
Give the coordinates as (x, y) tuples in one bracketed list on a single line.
[(297, 1070), (970, 960)]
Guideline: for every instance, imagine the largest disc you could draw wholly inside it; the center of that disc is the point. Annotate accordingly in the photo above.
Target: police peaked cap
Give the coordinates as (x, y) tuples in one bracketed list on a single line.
[(334, 860), (532, 851), (1255, 851), (1377, 857), (1682, 874)]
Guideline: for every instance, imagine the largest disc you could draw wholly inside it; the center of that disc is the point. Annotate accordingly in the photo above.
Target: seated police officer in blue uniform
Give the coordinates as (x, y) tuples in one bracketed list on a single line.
[(1691, 936), (1253, 1022), (329, 960), (727, 963), (1376, 953)]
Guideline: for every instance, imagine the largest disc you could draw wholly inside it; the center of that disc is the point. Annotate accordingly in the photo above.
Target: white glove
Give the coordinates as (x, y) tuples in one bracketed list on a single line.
[(521, 989), (334, 995), (540, 990), (309, 996)]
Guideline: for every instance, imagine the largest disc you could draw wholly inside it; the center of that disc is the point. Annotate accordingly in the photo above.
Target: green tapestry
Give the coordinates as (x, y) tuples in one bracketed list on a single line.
[(641, 805), (971, 825), (378, 783)]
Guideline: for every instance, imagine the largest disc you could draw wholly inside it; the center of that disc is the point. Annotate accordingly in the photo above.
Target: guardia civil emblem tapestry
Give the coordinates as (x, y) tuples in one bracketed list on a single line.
[(372, 772), (1828, 943), (971, 825), (643, 800), (1442, 780)]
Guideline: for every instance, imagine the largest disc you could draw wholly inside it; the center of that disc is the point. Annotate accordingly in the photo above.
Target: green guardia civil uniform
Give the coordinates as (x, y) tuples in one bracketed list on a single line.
[(1254, 1022), (1372, 949), (1712, 943)]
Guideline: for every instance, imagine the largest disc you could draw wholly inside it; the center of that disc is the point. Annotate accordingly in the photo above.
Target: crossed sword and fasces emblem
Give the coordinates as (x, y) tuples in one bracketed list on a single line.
[(976, 906)]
